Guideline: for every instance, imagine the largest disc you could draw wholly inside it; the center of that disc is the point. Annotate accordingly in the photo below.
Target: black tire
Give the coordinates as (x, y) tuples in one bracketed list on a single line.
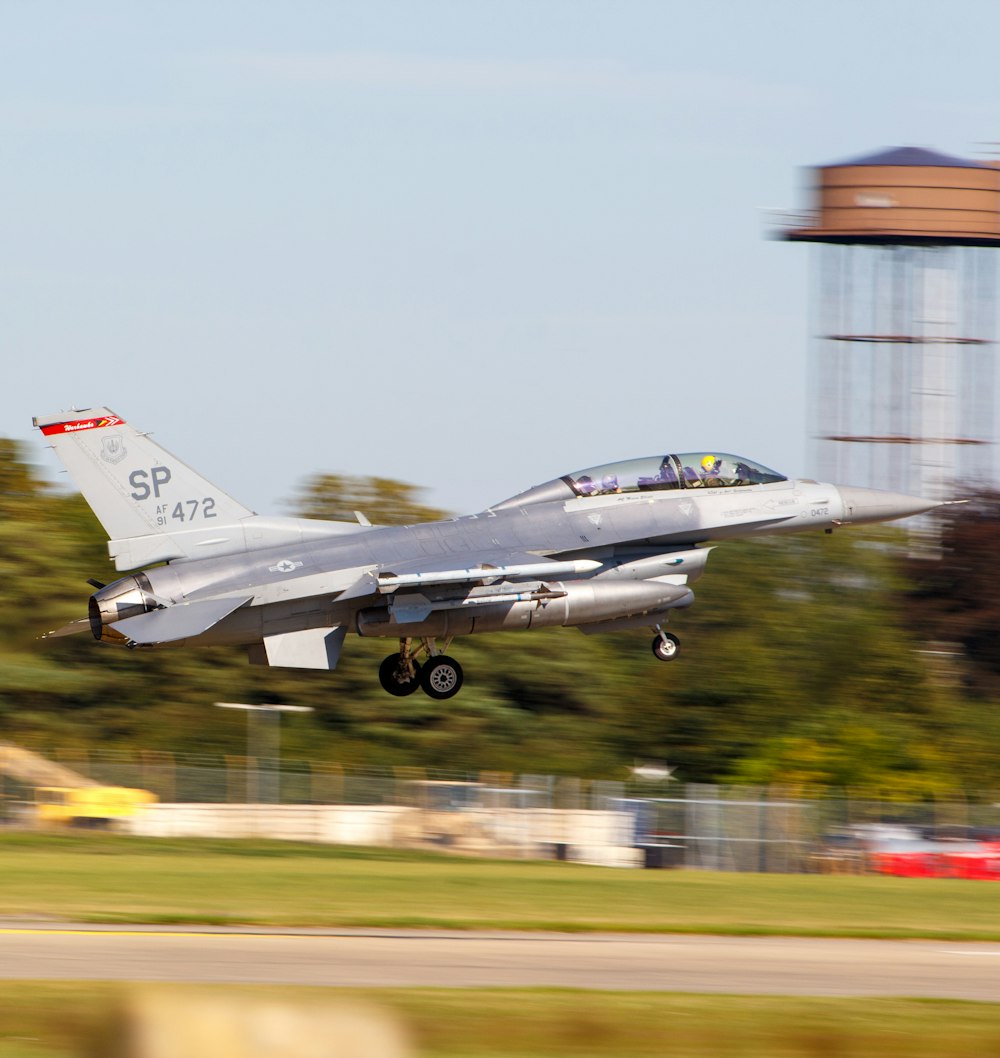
[(666, 647), (388, 676), (441, 677)]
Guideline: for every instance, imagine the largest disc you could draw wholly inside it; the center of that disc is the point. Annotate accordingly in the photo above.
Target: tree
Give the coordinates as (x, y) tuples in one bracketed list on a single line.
[(955, 596), (800, 662), (336, 498), (20, 487)]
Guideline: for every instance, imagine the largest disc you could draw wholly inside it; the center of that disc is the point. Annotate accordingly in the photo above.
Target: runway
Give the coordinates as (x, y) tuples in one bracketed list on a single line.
[(380, 958)]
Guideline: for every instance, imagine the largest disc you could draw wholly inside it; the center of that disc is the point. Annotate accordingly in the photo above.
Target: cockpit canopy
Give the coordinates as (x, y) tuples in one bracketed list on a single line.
[(684, 470)]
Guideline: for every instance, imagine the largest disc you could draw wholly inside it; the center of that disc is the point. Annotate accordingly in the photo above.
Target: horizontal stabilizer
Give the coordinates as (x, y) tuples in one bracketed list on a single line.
[(81, 625), (183, 621), (310, 648)]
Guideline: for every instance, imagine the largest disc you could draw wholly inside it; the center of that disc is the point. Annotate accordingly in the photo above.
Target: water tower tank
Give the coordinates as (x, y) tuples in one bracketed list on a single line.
[(903, 307), (906, 195)]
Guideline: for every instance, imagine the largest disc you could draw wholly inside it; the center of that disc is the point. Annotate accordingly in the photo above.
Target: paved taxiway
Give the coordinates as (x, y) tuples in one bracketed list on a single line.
[(376, 958)]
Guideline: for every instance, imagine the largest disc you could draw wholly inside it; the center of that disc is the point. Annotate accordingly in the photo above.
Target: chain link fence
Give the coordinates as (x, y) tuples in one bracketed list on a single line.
[(712, 827)]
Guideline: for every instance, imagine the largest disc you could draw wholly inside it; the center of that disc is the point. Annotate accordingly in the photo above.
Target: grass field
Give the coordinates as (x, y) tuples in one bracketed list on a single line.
[(69, 1020), (112, 879), (100, 878)]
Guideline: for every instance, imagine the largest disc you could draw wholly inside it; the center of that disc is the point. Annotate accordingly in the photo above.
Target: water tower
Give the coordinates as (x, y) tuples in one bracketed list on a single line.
[(903, 312)]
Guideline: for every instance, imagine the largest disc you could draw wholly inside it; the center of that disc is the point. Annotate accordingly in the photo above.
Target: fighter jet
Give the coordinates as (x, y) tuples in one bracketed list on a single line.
[(603, 549)]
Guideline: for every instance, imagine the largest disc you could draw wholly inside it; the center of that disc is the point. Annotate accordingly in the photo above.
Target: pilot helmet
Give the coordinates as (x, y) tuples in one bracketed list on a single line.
[(709, 463)]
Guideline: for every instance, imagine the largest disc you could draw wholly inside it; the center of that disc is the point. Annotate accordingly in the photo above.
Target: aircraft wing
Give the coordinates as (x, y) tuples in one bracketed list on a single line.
[(190, 619), (359, 581), (319, 648)]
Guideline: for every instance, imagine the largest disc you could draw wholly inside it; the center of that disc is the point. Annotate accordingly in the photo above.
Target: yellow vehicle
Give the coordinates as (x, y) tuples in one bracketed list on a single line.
[(89, 806)]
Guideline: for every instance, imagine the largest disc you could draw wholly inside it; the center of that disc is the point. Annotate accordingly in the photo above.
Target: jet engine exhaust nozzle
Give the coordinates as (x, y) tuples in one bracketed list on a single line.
[(127, 597)]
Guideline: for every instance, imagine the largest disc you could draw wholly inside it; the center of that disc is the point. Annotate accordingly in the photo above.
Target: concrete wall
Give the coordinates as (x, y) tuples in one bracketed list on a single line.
[(579, 835), (378, 825)]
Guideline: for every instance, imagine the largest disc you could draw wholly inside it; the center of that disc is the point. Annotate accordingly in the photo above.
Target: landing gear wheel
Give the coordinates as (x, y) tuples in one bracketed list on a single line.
[(441, 677), (393, 681), (665, 646)]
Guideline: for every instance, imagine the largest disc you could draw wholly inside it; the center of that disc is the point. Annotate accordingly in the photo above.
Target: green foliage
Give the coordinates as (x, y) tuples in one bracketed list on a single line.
[(801, 662), (806, 671), (956, 593), (383, 501)]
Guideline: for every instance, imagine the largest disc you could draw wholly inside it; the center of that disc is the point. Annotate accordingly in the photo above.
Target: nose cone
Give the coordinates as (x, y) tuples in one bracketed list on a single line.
[(874, 505)]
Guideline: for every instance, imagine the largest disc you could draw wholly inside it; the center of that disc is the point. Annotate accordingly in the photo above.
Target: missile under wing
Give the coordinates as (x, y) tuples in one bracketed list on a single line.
[(608, 548)]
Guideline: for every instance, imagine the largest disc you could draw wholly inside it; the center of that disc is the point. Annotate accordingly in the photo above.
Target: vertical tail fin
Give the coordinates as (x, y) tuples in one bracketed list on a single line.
[(155, 508), (136, 488)]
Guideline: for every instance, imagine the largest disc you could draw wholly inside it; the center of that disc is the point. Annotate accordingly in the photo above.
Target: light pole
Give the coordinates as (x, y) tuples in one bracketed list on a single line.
[(264, 743)]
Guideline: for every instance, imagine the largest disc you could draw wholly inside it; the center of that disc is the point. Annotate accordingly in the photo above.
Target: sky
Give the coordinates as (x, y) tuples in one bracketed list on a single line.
[(469, 245)]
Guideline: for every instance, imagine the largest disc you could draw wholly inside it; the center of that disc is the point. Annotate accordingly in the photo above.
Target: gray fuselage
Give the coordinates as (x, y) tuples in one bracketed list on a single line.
[(306, 585)]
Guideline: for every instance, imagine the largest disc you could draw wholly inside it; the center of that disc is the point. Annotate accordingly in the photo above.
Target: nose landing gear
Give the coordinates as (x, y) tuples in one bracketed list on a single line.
[(666, 645)]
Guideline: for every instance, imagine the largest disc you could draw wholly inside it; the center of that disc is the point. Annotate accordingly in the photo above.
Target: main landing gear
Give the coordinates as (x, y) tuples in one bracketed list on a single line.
[(439, 676), (666, 645)]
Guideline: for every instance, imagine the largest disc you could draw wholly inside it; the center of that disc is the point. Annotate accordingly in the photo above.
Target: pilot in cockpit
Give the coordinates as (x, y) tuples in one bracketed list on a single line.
[(667, 475), (711, 469)]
